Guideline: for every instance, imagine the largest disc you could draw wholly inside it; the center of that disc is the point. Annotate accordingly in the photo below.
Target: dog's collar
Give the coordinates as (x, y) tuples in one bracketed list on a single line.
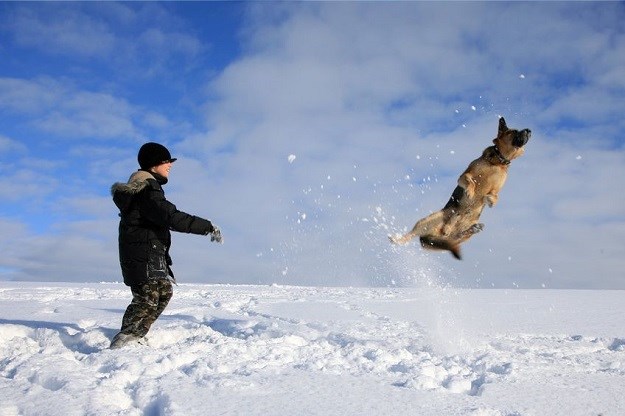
[(501, 158)]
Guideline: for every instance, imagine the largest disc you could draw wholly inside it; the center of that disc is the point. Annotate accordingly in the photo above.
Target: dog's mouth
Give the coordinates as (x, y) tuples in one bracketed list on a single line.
[(521, 138)]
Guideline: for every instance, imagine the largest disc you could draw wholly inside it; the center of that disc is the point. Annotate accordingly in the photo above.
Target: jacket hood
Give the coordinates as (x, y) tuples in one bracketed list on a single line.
[(123, 192)]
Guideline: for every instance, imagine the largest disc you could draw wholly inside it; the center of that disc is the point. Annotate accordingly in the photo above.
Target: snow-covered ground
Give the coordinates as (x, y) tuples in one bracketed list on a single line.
[(277, 350)]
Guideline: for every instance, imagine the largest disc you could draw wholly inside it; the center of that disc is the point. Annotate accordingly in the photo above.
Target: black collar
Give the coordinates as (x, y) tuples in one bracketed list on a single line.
[(502, 159)]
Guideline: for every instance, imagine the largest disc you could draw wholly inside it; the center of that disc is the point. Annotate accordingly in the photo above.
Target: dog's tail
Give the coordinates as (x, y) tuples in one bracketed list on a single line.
[(433, 243)]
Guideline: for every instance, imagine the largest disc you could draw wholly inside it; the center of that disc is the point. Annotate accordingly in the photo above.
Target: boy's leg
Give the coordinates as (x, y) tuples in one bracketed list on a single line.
[(148, 302), (166, 291), (138, 316)]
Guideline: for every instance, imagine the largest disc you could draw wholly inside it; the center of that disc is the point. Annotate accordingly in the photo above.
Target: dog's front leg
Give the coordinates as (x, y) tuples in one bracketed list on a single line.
[(467, 182), (491, 199)]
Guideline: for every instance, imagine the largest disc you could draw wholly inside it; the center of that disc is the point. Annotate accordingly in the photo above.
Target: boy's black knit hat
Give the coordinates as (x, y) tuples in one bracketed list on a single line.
[(153, 154)]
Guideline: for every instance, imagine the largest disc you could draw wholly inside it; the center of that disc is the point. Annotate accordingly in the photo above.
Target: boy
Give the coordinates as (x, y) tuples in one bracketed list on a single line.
[(146, 219)]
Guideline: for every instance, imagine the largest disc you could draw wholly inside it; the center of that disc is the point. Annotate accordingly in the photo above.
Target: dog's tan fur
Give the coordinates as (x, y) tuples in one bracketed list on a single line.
[(478, 186)]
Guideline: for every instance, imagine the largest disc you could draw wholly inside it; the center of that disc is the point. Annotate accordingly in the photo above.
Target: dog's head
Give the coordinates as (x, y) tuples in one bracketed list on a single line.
[(510, 142)]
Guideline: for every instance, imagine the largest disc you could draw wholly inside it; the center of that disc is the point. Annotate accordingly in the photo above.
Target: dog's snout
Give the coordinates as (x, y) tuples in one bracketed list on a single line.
[(521, 138)]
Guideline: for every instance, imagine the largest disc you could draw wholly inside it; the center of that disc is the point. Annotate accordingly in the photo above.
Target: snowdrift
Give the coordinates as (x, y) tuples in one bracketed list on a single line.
[(276, 350)]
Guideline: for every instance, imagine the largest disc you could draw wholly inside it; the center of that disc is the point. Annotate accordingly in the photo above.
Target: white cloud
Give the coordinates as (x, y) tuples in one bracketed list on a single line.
[(85, 114), (70, 257), (344, 85), (61, 109), (158, 42), (26, 184), (66, 31), (26, 96), (10, 146), (381, 93), (136, 40)]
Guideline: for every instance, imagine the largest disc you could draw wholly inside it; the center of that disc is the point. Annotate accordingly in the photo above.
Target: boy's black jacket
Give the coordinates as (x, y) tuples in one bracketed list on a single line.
[(146, 219)]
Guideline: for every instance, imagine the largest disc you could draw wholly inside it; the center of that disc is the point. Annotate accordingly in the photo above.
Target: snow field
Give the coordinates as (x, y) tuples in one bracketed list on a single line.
[(276, 350)]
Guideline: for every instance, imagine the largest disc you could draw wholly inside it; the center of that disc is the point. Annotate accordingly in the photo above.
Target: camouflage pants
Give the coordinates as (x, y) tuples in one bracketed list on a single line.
[(148, 302)]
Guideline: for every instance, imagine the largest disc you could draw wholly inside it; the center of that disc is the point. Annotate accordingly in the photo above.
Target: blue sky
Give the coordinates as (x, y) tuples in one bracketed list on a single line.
[(381, 104)]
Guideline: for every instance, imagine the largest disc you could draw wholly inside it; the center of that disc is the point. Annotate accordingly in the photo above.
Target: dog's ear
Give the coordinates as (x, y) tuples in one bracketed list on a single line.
[(503, 127)]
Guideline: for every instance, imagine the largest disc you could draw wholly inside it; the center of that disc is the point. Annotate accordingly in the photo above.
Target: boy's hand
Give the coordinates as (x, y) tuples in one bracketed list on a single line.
[(216, 235)]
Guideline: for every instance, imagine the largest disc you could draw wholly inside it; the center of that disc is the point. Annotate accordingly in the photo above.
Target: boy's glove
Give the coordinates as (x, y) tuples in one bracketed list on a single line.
[(216, 235)]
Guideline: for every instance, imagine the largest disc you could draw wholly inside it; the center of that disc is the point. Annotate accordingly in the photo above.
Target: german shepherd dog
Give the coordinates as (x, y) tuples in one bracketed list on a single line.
[(478, 186)]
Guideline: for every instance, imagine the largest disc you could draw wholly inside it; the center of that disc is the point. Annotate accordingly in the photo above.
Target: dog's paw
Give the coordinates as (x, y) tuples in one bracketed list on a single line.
[(397, 239), (491, 200), (476, 228), (469, 192)]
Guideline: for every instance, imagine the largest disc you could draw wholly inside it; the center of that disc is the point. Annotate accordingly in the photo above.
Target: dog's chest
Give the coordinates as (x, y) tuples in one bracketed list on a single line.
[(490, 177)]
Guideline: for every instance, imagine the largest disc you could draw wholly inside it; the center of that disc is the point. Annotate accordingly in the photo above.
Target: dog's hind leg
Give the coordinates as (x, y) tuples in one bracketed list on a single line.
[(474, 229), (424, 226), (463, 236)]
